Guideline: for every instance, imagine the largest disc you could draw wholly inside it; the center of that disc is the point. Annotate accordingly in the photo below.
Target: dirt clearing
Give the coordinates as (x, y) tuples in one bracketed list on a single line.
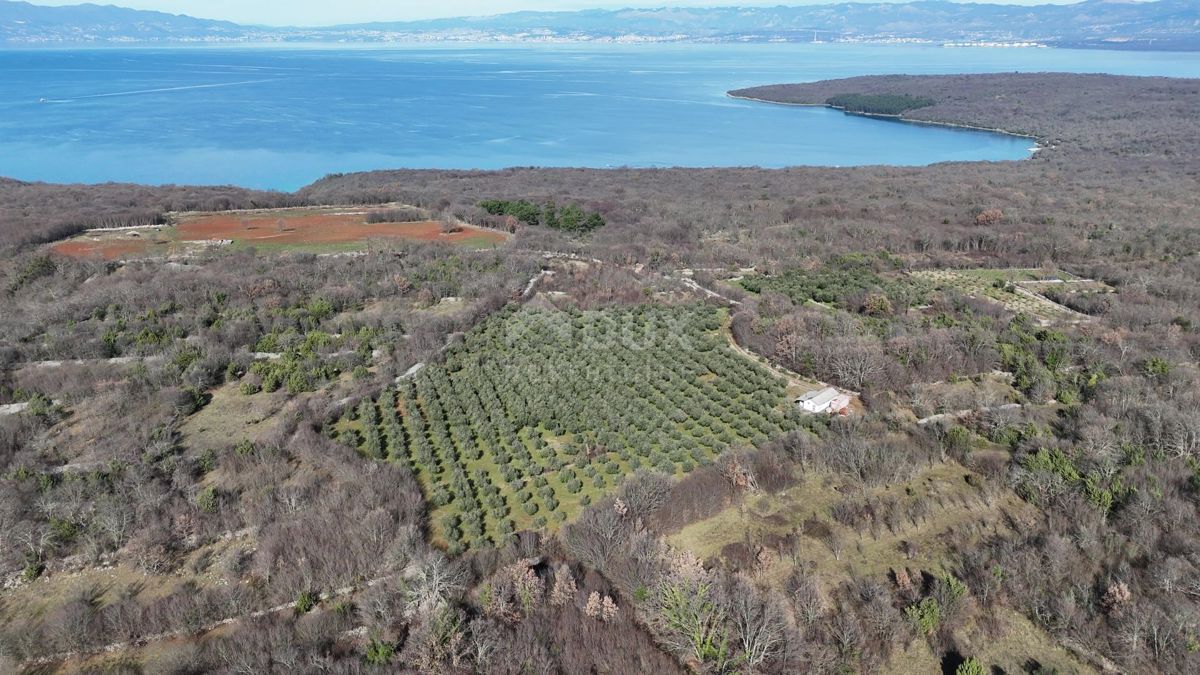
[(317, 230)]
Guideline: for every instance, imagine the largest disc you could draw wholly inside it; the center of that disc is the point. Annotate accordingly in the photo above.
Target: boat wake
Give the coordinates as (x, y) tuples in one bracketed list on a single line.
[(138, 92)]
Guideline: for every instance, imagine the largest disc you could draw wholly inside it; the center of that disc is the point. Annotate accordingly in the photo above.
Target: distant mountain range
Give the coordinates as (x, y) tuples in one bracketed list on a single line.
[(23, 23), (1165, 24)]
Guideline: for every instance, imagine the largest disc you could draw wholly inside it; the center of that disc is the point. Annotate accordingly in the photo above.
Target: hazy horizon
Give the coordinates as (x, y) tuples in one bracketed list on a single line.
[(319, 13)]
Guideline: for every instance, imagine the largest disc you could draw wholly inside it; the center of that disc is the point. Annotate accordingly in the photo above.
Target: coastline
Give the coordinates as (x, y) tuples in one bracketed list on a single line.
[(1037, 142)]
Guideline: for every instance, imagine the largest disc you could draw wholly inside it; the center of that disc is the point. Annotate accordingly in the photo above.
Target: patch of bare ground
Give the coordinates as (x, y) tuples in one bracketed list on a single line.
[(232, 416)]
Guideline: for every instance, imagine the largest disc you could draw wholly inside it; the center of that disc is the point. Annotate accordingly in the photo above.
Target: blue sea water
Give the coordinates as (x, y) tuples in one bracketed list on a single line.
[(283, 117)]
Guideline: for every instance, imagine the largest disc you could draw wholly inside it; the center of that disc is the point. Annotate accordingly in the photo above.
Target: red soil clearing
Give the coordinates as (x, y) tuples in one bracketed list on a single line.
[(108, 250), (320, 229), (270, 229)]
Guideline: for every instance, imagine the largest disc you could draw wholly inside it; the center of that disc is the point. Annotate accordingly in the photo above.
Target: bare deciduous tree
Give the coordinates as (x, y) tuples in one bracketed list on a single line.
[(430, 583), (758, 621), (644, 492), (855, 363), (596, 536), (486, 638)]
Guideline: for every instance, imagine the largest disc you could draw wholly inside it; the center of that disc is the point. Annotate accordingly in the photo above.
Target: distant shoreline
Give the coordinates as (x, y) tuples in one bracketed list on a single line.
[(1038, 145), (416, 41)]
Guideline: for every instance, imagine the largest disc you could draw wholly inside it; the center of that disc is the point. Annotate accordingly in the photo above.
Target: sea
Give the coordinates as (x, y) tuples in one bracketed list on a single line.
[(280, 117)]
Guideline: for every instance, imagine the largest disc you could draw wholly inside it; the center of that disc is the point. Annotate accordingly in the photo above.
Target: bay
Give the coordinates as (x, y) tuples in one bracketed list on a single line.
[(281, 117)]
